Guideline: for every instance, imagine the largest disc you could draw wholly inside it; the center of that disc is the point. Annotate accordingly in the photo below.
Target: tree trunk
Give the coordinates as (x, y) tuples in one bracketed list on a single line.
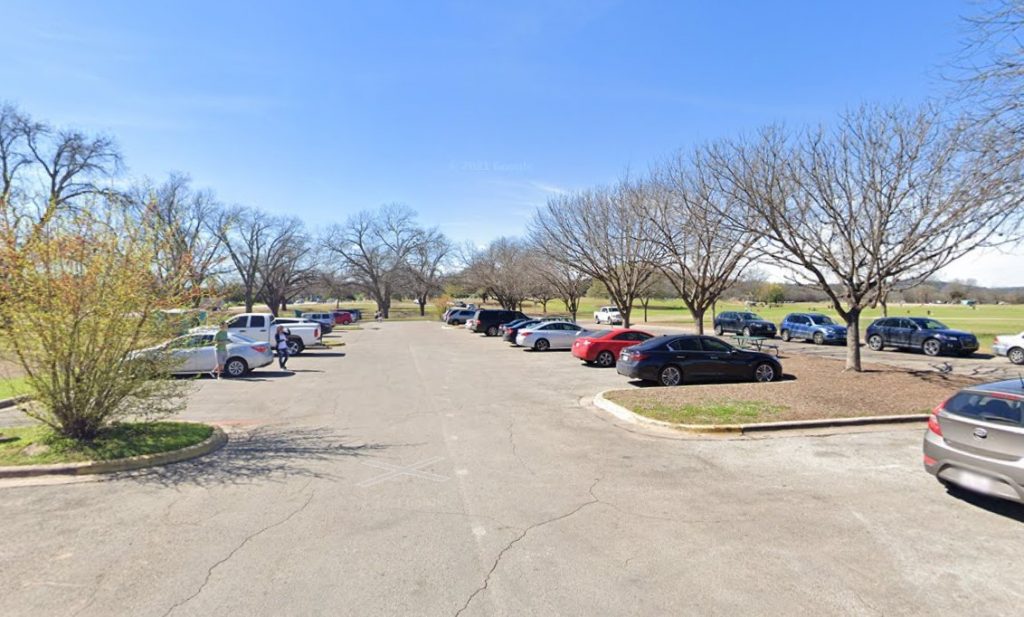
[(544, 304), (853, 340), (423, 305), (885, 308), (698, 319), (645, 303)]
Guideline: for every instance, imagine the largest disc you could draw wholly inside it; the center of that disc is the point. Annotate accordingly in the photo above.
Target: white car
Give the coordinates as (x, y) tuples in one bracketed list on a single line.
[(196, 353), (607, 314), (1011, 346), (549, 335)]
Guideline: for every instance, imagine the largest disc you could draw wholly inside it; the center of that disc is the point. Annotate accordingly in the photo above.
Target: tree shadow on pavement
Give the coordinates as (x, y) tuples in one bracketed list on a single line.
[(260, 453)]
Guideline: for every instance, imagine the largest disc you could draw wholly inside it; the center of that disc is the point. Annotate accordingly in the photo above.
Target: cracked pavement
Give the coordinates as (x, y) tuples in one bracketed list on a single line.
[(549, 507)]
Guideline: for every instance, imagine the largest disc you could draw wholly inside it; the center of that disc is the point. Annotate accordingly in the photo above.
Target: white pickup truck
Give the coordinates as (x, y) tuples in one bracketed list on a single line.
[(260, 327), (607, 314)]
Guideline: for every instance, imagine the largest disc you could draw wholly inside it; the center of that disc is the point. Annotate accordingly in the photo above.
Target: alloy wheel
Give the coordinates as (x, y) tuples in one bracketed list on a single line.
[(542, 345), (235, 367), (1016, 355), (764, 372), (670, 376), (785, 335), (875, 342), (819, 338), (931, 347), (605, 358)]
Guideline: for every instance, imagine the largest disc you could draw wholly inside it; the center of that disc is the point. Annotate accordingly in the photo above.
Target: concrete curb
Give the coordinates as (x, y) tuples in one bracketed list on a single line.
[(11, 402), (742, 429), (214, 442)]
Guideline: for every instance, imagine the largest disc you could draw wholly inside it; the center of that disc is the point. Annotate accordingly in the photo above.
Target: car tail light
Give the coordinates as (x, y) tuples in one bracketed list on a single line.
[(933, 420), (526, 334), (260, 348), (316, 333), (928, 460), (636, 356)]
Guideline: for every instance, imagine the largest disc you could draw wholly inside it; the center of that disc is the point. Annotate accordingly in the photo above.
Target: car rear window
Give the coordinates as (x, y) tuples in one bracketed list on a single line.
[(986, 407)]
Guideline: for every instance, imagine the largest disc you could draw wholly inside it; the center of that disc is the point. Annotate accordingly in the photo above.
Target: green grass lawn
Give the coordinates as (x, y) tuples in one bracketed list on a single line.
[(9, 388), (118, 441), (731, 412)]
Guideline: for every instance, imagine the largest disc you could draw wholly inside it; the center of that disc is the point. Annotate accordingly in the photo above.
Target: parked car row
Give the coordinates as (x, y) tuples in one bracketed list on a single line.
[(669, 360), (924, 334)]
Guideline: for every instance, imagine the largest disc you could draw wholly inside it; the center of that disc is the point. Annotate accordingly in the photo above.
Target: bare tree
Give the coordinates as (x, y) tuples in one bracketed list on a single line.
[(44, 170), (990, 72), (191, 251), (886, 196), (565, 282), (245, 233), (287, 265), (427, 266), (700, 257), (601, 233), (501, 271), (375, 248)]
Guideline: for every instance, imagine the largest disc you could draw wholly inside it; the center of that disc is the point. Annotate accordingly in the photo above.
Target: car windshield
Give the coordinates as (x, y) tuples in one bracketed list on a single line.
[(748, 316), (929, 324), (820, 320)]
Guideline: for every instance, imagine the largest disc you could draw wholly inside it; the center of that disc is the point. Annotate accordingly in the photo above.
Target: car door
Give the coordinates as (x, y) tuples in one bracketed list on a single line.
[(721, 361), (900, 333), (686, 353), (561, 335), (204, 355), (803, 326)]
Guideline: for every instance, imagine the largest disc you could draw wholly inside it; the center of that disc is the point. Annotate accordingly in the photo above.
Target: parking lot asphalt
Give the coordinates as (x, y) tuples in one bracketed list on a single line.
[(422, 470)]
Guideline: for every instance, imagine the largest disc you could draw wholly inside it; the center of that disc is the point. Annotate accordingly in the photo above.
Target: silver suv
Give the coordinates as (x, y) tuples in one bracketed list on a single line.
[(975, 440)]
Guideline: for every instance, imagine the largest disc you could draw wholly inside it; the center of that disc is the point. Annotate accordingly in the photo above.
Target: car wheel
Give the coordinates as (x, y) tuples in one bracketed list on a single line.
[(1016, 355), (295, 347), (670, 376), (606, 358), (819, 338), (746, 331), (875, 342), (597, 320), (931, 347), (785, 335), (764, 372), (492, 331), (236, 367), (542, 345), (718, 330)]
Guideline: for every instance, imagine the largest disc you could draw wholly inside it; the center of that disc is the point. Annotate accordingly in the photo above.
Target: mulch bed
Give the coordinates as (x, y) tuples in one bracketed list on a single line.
[(814, 388)]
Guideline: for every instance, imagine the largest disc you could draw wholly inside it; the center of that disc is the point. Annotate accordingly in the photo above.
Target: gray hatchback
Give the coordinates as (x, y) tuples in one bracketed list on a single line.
[(975, 440)]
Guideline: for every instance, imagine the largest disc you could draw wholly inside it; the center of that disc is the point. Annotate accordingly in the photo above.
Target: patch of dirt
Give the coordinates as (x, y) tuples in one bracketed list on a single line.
[(815, 388)]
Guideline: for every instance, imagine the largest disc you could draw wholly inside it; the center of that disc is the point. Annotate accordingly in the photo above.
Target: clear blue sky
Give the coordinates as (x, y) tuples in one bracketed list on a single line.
[(471, 114)]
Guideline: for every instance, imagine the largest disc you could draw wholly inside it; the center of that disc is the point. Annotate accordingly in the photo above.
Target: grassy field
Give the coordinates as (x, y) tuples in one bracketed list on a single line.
[(984, 321)]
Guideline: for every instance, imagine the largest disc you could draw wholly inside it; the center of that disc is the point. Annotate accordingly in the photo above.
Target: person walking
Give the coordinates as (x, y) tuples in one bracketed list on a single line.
[(281, 342), (221, 339)]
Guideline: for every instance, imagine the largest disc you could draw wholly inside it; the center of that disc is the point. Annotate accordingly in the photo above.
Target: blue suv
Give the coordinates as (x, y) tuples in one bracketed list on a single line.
[(812, 327), (930, 336)]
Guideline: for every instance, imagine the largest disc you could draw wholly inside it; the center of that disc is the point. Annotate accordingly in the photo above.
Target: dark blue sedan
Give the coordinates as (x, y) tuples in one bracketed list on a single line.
[(923, 333), (673, 360)]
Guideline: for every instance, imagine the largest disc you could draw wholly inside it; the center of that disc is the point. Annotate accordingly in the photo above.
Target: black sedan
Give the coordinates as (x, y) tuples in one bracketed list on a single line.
[(923, 333), (511, 329), (673, 360), (747, 324)]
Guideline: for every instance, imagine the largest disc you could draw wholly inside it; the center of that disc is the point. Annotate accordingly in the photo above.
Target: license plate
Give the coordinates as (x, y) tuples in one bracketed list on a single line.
[(975, 482)]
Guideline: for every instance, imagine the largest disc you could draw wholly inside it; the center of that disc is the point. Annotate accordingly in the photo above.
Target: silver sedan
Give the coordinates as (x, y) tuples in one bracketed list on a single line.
[(196, 353), (549, 335)]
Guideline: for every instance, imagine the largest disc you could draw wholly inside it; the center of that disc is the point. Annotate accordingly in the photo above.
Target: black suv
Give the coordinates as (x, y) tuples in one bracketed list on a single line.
[(488, 320)]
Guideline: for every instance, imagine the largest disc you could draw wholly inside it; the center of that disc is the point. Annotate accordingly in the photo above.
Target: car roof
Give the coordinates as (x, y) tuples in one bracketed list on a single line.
[(1007, 386)]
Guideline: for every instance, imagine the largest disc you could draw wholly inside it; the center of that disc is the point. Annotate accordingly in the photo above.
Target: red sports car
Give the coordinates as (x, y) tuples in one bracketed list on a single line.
[(603, 347), (342, 318)]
